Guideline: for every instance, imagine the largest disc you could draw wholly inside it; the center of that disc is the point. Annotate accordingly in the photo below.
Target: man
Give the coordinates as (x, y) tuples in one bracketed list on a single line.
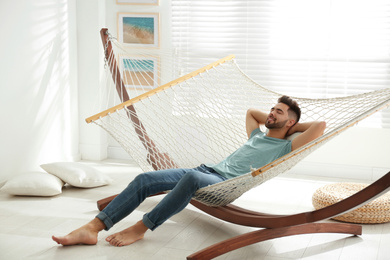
[(259, 150)]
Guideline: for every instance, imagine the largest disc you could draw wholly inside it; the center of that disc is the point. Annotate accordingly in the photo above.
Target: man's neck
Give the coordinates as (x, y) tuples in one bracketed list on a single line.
[(277, 133)]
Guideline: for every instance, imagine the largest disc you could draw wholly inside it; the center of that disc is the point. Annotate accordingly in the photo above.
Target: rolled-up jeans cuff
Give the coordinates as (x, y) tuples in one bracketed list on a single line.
[(148, 223), (106, 220)]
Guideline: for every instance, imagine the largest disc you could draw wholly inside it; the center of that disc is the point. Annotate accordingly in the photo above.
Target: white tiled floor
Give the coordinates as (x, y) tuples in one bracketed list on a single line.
[(27, 223)]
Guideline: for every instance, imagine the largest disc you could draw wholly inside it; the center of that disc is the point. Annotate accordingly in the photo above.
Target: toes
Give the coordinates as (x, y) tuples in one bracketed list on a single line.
[(58, 240), (55, 239), (113, 242), (117, 243)]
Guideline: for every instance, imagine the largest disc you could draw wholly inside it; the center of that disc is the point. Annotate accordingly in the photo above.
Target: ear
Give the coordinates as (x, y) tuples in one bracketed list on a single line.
[(290, 123)]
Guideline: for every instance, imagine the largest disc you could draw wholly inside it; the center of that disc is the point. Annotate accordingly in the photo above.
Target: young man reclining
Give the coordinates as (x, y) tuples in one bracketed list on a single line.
[(260, 149)]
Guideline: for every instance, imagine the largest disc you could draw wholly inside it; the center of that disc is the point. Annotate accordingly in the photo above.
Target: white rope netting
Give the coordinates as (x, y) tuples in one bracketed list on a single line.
[(202, 120)]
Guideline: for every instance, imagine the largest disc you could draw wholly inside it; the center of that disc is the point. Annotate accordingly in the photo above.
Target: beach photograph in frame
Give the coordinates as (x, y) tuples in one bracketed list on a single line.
[(137, 2), (140, 73), (139, 29)]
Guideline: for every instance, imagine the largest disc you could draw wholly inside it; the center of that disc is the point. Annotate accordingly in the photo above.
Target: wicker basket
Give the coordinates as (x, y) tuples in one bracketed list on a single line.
[(376, 211)]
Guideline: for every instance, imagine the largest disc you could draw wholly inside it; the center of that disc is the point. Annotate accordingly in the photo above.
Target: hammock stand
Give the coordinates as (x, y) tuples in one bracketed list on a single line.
[(274, 226)]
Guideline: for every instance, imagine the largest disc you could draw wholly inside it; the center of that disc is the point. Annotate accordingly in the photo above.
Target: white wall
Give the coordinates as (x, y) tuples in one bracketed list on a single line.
[(90, 19), (112, 9), (92, 16), (38, 90), (51, 66), (358, 153)]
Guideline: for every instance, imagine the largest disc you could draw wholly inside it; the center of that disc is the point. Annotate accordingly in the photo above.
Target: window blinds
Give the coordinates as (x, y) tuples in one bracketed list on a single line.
[(315, 49)]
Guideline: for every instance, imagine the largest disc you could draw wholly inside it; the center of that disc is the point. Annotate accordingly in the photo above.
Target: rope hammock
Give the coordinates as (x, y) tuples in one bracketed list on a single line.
[(200, 117)]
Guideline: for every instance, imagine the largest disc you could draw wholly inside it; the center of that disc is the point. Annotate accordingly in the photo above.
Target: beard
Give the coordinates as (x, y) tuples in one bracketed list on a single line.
[(275, 125)]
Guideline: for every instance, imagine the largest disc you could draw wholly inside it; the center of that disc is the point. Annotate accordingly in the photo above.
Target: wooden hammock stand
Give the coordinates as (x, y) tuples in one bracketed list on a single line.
[(273, 226)]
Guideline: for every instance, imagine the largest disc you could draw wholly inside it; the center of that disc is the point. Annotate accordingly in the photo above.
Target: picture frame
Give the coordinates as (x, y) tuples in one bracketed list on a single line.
[(138, 2), (140, 73), (139, 29)]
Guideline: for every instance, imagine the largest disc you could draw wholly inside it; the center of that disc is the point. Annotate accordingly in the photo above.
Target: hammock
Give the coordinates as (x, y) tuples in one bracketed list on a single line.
[(182, 121), (200, 117)]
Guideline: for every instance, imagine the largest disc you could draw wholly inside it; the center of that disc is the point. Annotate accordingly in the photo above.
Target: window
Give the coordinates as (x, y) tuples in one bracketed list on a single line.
[(304, 48)]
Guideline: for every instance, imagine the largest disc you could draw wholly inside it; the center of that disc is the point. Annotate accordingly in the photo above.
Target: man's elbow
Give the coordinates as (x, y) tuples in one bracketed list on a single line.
[(250, 111), (321, 126)]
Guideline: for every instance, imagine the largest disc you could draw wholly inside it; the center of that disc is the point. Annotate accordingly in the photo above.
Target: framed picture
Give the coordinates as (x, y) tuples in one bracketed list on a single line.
[(137, 2), (139, 29), (140, 72)]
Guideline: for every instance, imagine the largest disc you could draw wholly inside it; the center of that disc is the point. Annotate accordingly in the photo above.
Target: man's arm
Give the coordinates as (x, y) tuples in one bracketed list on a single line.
[(310, 131), (254, 118)]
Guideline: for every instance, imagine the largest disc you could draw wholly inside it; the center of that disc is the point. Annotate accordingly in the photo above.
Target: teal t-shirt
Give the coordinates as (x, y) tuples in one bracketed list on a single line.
[(258, 151)]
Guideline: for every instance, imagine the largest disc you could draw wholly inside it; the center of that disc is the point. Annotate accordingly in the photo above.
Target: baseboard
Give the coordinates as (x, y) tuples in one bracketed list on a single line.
[(75, 157), (329, 170), (117, 152), (93, 152)]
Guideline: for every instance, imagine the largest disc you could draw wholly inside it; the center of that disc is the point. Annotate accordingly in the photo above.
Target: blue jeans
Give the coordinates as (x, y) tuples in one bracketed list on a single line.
[(182, 183)]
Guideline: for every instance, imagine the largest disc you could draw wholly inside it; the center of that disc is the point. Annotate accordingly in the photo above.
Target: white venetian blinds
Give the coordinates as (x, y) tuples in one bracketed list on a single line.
[(306, 48)]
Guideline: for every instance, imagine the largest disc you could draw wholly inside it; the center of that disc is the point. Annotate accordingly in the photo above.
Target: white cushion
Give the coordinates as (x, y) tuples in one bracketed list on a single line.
[(33, 184), (77, 174), (292, 137)]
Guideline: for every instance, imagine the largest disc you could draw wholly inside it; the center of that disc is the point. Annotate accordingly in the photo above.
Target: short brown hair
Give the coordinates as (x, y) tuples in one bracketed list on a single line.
[(293, 106)]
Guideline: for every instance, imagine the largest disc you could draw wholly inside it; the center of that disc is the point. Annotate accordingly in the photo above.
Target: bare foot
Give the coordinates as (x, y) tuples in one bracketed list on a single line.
[(129, 235), (86, 234)]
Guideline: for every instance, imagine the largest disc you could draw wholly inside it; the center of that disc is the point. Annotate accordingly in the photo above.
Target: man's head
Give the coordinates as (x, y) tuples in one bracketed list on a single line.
[(294, 111), (285, 113)]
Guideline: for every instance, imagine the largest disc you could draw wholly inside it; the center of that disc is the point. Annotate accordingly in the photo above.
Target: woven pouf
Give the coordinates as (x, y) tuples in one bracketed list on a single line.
[(376, 211)]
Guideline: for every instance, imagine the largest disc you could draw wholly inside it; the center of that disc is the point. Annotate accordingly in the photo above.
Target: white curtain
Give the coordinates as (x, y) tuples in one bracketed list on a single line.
[(305, 48)]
